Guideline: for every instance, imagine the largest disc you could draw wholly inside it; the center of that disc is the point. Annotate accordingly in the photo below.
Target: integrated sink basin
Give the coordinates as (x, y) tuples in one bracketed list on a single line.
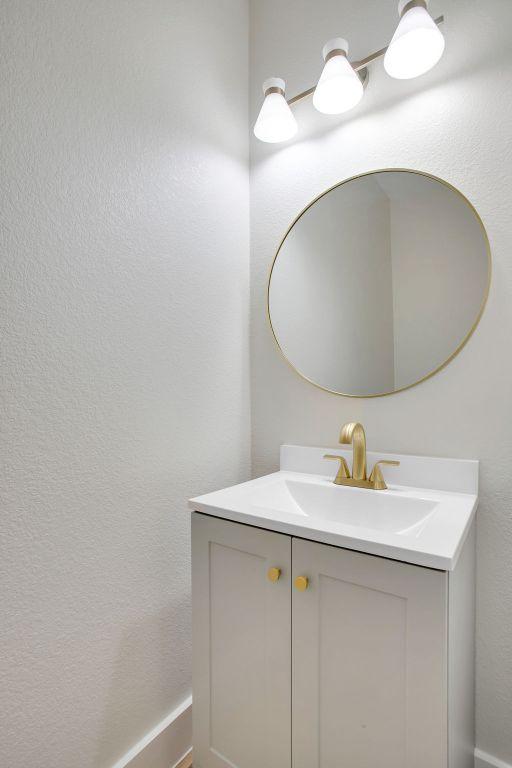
[(317, 498), (422, 518)]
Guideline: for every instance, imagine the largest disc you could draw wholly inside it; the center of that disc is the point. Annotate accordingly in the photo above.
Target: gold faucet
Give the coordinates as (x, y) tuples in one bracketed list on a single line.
[(354, 433)]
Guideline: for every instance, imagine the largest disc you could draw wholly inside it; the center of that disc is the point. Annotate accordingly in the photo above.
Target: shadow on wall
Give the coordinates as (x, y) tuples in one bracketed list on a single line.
[(142, 652)]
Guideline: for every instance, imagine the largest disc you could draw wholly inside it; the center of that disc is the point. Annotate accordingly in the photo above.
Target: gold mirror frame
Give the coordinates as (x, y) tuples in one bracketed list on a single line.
[(471, 330)]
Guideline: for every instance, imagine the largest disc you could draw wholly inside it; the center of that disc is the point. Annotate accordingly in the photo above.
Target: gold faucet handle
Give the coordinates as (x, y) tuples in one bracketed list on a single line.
[(376, 476), (343, 471)]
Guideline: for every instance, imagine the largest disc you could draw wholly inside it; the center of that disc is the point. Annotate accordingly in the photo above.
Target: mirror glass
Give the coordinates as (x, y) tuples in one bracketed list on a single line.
[(379, 283)]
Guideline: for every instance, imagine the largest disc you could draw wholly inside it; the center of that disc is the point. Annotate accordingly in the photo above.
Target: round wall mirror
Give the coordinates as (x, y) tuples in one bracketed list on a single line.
[(379, 282)]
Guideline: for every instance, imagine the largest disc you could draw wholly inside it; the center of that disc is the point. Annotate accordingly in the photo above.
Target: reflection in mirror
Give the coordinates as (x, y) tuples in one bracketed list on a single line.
[(379, 282)]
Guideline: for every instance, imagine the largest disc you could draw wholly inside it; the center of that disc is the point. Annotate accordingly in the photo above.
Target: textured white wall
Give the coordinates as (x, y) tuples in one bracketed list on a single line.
[(455, 123), (124, 354)]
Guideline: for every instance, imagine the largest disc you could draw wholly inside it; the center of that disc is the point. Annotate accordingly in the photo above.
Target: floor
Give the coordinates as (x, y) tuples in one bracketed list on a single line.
[(186, 762)]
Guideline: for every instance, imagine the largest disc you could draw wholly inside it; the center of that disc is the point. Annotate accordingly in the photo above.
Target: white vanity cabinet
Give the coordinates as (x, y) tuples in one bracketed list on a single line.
[(241, 646), (369, 661), (370, 666)]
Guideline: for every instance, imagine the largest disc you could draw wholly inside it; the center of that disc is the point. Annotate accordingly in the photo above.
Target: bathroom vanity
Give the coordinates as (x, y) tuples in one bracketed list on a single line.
[(333, 616), (334, 626)]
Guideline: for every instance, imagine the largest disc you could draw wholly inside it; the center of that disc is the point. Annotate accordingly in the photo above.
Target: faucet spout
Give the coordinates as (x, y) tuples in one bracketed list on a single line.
[(354, 433)]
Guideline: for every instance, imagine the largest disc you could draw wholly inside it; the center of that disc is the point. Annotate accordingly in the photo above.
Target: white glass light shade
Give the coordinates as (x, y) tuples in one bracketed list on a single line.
[(339, 88), (275, 121), (417, 44)]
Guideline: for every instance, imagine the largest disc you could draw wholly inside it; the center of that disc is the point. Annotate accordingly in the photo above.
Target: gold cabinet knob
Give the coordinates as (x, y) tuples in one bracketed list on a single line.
[(301, 583), (274, 574)]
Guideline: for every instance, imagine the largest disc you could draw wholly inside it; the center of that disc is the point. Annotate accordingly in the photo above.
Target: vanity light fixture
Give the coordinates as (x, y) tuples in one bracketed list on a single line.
[(416, 47), (339, 88), (417, 44), (275, 121)]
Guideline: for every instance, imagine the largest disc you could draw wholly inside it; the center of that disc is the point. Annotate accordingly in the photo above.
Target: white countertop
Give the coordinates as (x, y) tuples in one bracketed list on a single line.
[(424, 526)]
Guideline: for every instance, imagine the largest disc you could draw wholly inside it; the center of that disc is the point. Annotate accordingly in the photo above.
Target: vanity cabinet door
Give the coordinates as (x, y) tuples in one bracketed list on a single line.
[(241, 646), (369, 661)]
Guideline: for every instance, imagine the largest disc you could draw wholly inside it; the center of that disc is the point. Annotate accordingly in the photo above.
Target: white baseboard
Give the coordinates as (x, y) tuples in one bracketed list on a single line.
[(483, 760), (166, 744), (169, 742)]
